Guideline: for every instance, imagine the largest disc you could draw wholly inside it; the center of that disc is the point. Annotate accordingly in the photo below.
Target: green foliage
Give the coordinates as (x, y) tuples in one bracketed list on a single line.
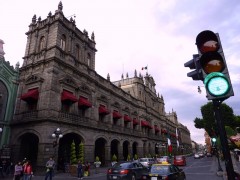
[(73, 157), (135, 156), (114, 158), (230, 131), (97, 159), (81, 152), (208, 121), (128, 157), (149, 156)]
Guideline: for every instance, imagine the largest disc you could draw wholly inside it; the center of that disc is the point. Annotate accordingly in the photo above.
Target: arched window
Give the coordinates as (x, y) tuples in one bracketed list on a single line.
[(42, 43), (63, 42), (88, 59), (77, 52)]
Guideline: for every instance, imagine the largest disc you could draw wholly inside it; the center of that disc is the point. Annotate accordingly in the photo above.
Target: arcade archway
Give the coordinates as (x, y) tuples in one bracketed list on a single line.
[(100, 149)]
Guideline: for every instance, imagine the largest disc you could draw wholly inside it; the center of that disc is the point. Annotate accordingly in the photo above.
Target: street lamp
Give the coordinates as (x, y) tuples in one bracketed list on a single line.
[(56, 134), (215, 145)]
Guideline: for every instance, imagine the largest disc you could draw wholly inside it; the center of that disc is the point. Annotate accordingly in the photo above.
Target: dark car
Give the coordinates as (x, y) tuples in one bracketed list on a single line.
[(126, 170), (179, 160), (164, 171)]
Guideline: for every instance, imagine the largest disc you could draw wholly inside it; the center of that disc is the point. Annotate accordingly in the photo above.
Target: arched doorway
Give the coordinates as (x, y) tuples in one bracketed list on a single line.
[(114, 148), (134, 149), (64, 149), (125, 149), (100, 149), (29, 147)]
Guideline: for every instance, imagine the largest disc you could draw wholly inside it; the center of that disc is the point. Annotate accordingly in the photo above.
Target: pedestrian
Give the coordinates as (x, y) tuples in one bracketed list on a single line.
[(50, 168), (1, 169), (80, 169), (87, 169), (18, 169), (27, 171)]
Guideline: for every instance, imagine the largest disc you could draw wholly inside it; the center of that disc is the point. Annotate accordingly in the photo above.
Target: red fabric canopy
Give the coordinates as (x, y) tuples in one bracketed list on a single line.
[(83, 102), (144, 123), (31, 95), (164, 131), (68, 96), (103, 110), (116, 115), (156, 129), (135, 121), (127, 118)]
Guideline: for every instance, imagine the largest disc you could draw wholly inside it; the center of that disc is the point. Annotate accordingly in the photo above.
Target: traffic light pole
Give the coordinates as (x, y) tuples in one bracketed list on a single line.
[(223, 139)]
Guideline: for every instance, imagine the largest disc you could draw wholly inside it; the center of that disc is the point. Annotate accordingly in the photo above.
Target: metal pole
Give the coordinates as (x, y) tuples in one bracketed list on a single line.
[(223, 138), (219, 165)]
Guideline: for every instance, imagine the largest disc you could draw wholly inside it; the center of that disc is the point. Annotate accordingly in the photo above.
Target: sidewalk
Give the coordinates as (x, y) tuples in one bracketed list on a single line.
[(67, 176), (236, 167)]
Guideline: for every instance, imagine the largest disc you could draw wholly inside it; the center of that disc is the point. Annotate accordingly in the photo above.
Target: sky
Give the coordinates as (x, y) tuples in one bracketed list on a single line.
[(131, 34)]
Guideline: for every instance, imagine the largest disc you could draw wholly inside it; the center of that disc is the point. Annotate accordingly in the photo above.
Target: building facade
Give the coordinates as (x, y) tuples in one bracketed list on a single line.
[(59, 88), (8, 92)]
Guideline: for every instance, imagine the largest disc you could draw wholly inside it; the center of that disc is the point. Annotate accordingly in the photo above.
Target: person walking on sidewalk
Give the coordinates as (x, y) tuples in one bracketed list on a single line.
[(18, 170), (80, 169), (27, 171), (50, 168)]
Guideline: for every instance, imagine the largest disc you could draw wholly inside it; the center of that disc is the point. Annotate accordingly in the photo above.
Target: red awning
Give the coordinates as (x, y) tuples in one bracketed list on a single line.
[(144, 123), (68, 96), (103, 110), (164, 131), (156, 129), (135, 121), (83, 102), (31, 95), (127, 118), (116, 115)]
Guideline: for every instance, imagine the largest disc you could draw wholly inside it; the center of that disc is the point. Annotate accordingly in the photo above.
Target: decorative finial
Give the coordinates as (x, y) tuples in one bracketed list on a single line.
[(60, 6), (39, 19), (108, 77), (127, 75), (34, 19), (1, 49), (135, 73), (93, 36), (50, 14), (122, 76)]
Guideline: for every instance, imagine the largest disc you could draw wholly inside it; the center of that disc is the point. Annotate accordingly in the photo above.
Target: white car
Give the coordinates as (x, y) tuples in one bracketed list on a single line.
[(196, 156)]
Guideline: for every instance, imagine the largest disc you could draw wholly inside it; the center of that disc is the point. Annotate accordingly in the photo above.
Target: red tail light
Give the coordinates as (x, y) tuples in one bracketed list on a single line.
[(125, 171), (166, 178), (109, 171)]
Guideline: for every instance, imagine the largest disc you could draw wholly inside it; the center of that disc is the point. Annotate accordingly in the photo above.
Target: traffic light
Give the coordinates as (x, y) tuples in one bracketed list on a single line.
[(194, 64)]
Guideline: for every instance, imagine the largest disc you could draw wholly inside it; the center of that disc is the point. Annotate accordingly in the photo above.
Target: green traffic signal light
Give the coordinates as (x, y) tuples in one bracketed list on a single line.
[(214, 139)]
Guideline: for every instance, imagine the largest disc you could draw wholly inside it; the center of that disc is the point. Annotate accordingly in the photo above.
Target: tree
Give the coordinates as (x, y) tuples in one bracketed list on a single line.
[(208, 121), (81, 152), (73, 157)]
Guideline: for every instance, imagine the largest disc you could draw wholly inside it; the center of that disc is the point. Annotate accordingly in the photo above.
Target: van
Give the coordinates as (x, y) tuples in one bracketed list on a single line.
[(147, 162)]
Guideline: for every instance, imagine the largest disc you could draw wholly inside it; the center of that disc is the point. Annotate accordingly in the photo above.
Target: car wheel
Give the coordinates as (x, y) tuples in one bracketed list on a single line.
[(133, 177)]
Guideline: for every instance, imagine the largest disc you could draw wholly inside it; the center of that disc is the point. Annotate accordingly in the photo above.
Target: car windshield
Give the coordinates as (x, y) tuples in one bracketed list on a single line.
[(143, 160), (122, 165), (158, 169), (178, 157)]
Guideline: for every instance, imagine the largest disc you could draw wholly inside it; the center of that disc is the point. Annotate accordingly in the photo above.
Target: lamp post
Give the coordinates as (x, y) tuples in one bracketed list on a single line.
[(215, 145), (56, 134)]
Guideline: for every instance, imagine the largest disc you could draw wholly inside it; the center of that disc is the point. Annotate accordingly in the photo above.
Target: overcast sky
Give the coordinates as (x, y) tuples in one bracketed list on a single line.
[(130, 34)]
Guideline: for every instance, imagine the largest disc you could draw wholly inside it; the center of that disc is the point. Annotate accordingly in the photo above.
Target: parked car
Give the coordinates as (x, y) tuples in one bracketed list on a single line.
[(164, 171), (128, 170), (209, 154), (146, 161), (196, 156), (179, 160)]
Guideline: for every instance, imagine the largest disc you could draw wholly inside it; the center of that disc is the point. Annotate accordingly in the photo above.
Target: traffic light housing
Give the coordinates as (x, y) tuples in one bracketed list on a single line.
[(194, 64), (211, 66)]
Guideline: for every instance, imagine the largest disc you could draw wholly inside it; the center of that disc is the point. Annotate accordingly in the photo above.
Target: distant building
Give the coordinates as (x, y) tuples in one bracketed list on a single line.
[(59, 88)]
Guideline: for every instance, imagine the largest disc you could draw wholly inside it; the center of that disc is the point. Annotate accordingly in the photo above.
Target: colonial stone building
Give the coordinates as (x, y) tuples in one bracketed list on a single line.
[(8, 92), (59, 88)]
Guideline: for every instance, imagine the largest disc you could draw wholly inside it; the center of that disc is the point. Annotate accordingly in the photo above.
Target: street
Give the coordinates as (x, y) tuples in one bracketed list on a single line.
[(196, 169)]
